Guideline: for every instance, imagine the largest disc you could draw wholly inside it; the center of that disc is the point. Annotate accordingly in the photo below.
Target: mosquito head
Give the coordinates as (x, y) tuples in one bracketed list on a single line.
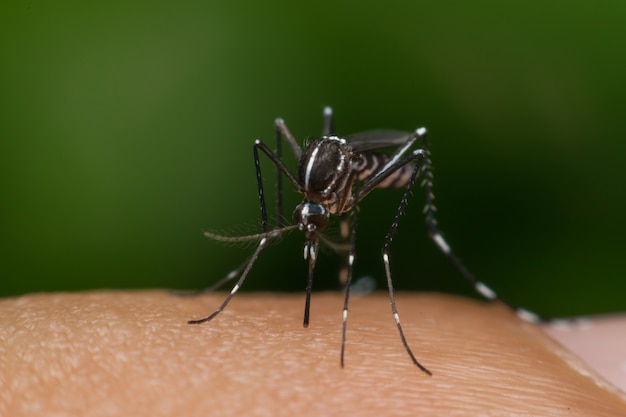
[(310, 218)]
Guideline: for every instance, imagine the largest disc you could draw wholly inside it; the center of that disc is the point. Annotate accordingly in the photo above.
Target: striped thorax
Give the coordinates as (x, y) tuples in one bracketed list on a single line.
[(327, 171)]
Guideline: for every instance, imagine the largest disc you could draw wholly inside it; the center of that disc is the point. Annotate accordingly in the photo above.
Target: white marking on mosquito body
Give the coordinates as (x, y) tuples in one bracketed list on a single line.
[(399, 178), (486, 292), (309, 167), (345, 314), (351, 259), (257, 141), (313, 252), (398, 154), (232, 274), (335, 138), (386, 258), (338, 173), (234, 290), (304, 211), (263, 242), (443, 245), (371, 166), (391, 162), (421, 131), (397, 317), (328, 111), (526, 315)]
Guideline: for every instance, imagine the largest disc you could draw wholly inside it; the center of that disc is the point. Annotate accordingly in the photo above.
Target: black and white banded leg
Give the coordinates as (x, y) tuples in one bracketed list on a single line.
[(419, 155), (268, 235), (392, 167), (436, 236), (348, 277)]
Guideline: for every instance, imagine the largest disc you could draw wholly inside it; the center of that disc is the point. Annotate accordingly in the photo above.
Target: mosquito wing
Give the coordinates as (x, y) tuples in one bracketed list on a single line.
[(377, 139)]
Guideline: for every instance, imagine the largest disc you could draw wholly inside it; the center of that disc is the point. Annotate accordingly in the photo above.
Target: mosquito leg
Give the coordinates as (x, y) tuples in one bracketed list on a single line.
[(279, 177), (282, 130), (243, 270), (344, 230), (248, 265), (235, 273), (329, 125), (259, 178), (348, 280), (395, 163), (310, 251), (229, 277), (435, 235), (386, 246)]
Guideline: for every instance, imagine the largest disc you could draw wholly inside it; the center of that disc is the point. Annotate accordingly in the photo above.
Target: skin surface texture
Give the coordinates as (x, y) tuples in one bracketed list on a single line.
[(111, 353)]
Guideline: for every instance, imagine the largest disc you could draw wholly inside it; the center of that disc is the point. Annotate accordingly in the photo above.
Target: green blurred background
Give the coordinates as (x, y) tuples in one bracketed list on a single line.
[(127, 128)]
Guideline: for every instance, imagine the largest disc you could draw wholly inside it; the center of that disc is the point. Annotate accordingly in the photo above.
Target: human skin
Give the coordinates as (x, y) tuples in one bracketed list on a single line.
[(133, 354)]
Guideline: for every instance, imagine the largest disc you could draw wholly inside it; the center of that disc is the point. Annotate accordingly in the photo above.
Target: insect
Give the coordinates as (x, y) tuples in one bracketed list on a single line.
[(334, 175)]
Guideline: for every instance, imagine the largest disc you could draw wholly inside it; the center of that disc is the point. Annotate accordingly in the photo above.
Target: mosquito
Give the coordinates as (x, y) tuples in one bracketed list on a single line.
[(335, 173)]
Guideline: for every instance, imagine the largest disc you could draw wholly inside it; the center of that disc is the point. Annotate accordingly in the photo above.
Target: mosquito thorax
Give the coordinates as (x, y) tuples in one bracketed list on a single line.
[(311, 217)]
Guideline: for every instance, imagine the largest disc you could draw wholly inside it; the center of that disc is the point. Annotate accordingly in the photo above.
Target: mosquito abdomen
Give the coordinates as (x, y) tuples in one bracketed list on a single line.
[(372, 163)]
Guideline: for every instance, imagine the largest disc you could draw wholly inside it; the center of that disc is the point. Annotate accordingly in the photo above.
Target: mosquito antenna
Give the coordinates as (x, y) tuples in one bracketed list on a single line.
[(272, 234)]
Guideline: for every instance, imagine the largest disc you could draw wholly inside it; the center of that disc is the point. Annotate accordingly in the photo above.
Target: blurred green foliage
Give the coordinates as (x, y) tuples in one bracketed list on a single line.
[(126, 130)]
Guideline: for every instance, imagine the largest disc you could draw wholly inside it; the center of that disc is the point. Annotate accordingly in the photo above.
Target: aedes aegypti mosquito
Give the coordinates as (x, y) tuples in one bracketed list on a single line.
[(334, 174)]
